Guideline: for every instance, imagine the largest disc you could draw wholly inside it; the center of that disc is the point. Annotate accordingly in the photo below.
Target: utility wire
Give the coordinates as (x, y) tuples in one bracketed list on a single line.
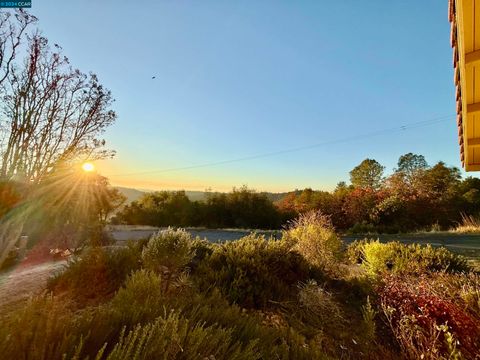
[(401, 128)]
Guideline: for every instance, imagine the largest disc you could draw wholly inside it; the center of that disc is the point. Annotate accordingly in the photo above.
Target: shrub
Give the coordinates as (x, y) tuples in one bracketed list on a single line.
[(253, 270), (355, 253), (168, 250), (174, 337), (463, 289), (202, 249), (423, 320), (313, 236), (39, 330), (142, 300), (46, 329), (437, 259), (378, 258), (368, 314), (201, 324), (470, 292), (168, 253), (96, 274), (413, 258), (317, 306), (363, 228)]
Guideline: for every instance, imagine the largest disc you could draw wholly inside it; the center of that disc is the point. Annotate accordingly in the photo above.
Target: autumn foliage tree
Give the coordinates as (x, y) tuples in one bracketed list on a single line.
[(415, 196)]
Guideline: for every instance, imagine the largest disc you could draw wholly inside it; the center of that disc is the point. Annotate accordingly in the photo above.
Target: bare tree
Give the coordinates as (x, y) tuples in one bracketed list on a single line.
[(13, 27), (52, 114)]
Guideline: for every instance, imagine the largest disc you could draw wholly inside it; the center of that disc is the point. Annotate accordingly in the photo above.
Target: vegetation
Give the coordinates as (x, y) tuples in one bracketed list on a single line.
[(253, 271), (67, 210), (52, 114), (377, 258), (313, 237), (174, 297), (51, 120), (469, 224), (415, 197), (242, 208), (256, 298)]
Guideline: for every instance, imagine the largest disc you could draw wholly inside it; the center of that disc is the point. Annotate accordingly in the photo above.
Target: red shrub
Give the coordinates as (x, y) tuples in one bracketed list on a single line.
[(415, 298)]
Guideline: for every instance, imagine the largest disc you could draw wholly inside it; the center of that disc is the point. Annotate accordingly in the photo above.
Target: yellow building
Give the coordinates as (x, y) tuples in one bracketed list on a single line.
[(464, 16)]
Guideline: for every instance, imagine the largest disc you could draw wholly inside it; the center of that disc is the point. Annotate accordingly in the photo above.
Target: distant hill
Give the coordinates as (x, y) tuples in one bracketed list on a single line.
[(134, 194), (273, 197), (196, 195), (130, 194)]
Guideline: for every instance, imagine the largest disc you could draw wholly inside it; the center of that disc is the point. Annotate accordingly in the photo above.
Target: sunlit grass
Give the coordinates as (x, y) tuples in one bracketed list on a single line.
[(469, 224)]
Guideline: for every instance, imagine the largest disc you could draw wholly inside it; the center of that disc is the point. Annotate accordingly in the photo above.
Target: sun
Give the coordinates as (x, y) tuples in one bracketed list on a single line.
[(88, 167)]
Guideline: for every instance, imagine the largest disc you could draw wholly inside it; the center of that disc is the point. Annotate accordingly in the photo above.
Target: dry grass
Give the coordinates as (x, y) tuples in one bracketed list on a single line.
[(469, 225)]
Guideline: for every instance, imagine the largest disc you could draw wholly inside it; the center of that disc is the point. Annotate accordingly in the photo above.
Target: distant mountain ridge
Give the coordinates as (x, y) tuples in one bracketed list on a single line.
[(129, 193), (134, 194)]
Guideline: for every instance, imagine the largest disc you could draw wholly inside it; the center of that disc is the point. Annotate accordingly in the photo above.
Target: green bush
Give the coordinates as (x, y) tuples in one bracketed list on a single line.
[(169, 250), (96, 273), (253, 270), (355, 253), (363, 228), (40, 330), (142, 300), (201, 248), (368, 314), (413, 258), (175, 337), (313, 236), (46, 330), (142, 319)]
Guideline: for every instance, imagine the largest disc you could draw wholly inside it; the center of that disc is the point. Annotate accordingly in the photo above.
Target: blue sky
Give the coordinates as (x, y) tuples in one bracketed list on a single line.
[(241, 78)]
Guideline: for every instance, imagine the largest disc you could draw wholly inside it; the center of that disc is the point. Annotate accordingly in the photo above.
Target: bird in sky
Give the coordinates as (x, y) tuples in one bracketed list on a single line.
[(153, 77)]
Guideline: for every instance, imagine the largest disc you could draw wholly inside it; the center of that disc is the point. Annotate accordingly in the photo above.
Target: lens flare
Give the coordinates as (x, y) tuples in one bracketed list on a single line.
[(88, 167)]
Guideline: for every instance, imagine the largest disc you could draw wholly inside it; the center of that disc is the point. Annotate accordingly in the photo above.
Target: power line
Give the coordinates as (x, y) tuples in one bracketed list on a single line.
[(401, 128)]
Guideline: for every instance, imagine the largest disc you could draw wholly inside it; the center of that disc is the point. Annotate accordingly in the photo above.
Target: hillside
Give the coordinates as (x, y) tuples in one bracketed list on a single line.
[(134, 194)]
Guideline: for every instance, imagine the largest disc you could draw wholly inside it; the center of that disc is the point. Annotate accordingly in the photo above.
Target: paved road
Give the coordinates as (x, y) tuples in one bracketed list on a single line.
[(212, 235), (456, 242), (449, 240)]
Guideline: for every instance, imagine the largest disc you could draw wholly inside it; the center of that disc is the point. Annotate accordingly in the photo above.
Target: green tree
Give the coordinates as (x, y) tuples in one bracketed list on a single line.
[(411, 166), (369, 174), (410, 163)]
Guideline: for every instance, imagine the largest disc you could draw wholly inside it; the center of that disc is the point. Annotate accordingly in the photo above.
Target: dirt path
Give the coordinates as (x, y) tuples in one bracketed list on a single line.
[(20, 283)]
